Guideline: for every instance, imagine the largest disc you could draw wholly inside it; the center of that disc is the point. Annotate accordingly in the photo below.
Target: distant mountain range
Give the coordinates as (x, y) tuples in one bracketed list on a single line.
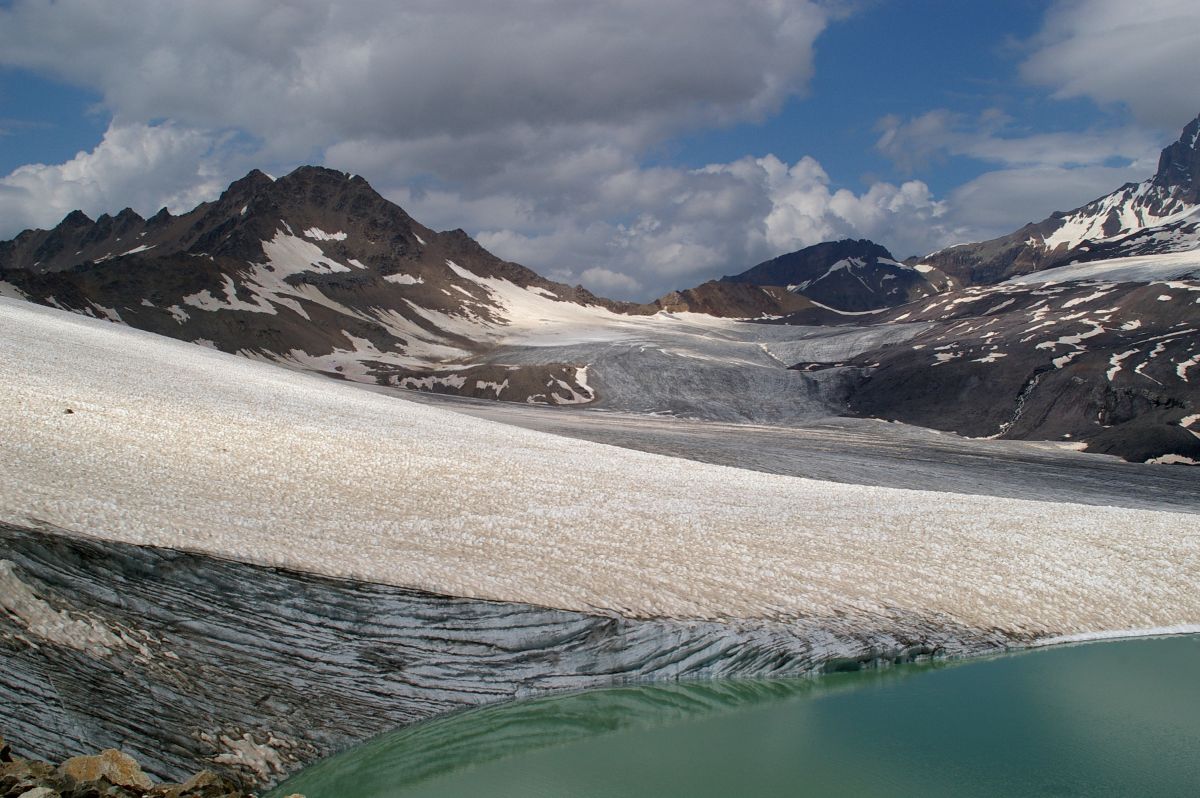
[(1157, 216), (1083, 327)]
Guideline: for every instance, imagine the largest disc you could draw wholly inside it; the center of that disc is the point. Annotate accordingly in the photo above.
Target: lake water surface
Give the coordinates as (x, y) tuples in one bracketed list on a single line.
[(1116, 718)]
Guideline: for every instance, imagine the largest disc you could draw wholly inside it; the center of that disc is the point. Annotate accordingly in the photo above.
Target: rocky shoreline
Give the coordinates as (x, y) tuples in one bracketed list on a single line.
[(111, 774)]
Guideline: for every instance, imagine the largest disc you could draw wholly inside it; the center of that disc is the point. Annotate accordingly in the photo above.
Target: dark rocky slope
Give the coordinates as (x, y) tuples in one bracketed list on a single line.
[(734, 300), (846, 275), (1115, 366), (314, 270)]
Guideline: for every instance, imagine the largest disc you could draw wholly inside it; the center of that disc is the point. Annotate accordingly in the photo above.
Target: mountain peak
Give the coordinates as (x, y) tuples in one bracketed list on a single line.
[(311, 172), (320, 182), (322, 187), (1179, 164), (807, 263), (248, 185), (76, 218), (853, 275)]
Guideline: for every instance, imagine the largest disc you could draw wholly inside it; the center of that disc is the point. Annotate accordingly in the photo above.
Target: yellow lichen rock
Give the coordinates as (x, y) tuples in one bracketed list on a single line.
[(111, 764)]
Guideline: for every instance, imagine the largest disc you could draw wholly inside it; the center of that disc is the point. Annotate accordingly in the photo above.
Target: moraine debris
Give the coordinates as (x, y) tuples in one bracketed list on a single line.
[(111, 773)]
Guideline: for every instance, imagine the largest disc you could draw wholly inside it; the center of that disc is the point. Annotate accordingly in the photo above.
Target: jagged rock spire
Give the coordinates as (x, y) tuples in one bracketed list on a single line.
[(1179, 164)]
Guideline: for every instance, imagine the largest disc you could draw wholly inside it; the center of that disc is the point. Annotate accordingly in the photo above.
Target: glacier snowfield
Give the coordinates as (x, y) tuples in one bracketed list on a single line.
[(174, 445)]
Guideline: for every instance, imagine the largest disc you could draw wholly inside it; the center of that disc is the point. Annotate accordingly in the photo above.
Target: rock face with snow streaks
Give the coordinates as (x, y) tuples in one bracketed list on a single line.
[(314, 270), (1110, 365), (1084, 328), (846, 275)]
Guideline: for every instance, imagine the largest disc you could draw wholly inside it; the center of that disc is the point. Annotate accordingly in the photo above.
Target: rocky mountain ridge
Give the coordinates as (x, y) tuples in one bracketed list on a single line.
[(847, 275), (314, 270)]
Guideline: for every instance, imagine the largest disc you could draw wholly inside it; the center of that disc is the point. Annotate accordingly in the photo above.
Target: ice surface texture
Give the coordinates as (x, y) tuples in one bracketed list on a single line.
[(192, 662)]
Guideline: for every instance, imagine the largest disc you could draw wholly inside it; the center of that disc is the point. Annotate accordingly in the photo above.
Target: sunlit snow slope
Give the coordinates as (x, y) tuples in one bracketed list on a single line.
[(171, 444)]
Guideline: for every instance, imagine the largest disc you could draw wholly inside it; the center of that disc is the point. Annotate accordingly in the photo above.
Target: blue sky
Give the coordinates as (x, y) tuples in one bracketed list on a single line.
[(899, 57), (632, 147), (45, 121)]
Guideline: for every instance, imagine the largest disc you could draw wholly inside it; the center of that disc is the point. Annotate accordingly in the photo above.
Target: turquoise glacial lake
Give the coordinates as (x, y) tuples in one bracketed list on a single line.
[(1103, 719)]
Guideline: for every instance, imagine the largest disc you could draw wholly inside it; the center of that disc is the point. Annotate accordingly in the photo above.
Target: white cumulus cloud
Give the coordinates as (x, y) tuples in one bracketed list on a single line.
[(145, 167), (528, 122), (307, 74), (686, 226), (525, 119)]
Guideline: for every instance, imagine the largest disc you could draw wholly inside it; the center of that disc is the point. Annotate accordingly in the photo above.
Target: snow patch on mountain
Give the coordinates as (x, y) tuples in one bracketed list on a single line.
[(1125, 211), (11, 291), (317, 234), (289, 254), (404, 279), (204, 300), (531, 318)]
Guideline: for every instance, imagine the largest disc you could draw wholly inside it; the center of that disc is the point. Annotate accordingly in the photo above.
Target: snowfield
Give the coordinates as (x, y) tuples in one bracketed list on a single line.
[(1135, 269), (174, 445)]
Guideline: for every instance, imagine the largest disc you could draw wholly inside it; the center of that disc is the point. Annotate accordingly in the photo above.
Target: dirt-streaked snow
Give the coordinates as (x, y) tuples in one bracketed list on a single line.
[(1136, 269), (172, 444)]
